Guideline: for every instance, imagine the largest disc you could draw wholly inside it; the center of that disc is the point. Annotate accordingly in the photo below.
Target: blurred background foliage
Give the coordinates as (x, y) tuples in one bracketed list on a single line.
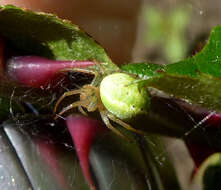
[(167, 31)]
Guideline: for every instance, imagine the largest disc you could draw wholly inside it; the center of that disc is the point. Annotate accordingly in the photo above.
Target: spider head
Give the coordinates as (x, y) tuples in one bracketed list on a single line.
[(90, 96)]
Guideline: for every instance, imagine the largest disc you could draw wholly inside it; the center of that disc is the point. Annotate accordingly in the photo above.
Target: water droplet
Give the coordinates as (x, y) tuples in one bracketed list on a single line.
[(2, 177), (13, 179)]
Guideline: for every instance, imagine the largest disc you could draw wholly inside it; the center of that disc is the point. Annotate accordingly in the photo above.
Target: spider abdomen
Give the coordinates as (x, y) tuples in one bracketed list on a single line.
[(122, 96)]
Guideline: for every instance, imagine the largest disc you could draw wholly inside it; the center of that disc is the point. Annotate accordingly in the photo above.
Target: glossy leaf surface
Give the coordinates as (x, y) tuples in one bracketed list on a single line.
[(48, 36), (39, 155), (44, 160), (196, 80)]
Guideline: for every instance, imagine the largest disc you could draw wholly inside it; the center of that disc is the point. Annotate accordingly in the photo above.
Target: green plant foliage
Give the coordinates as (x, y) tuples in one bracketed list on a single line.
[(143, 70), (196, 79), (47, 35), (207, 61)]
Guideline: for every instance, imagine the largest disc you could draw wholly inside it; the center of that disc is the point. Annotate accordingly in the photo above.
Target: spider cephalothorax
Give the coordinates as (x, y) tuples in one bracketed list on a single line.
[(117, 97)]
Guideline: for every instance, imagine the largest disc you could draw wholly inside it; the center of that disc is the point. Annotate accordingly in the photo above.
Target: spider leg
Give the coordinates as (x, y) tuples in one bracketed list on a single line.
[(92, 106), (73, 105), (69, 93), (82, 111), (100, 67), (92, 72), (125, 125), (108, 124)]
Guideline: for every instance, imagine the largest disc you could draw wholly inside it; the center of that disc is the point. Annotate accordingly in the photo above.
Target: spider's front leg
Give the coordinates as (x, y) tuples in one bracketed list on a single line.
[(78, 104), (106, 120), (123, 124), (66, 94), (107, 116), (87, 71), (71, 106)]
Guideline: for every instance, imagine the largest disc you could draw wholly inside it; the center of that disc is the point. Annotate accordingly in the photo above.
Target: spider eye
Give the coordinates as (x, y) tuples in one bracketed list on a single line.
[(121, 96)]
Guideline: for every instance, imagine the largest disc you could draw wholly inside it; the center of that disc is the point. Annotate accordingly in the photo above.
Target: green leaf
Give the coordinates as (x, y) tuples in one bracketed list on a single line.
[(204, 90), (207, 61), (196, 79), (143, 70), (47, 35)]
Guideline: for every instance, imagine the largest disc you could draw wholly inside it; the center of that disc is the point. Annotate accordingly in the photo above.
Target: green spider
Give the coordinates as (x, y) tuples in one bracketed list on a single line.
[(117, 97)]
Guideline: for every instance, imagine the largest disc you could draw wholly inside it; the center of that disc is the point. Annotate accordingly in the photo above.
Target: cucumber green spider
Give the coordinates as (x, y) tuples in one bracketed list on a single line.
[(116, 97)]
